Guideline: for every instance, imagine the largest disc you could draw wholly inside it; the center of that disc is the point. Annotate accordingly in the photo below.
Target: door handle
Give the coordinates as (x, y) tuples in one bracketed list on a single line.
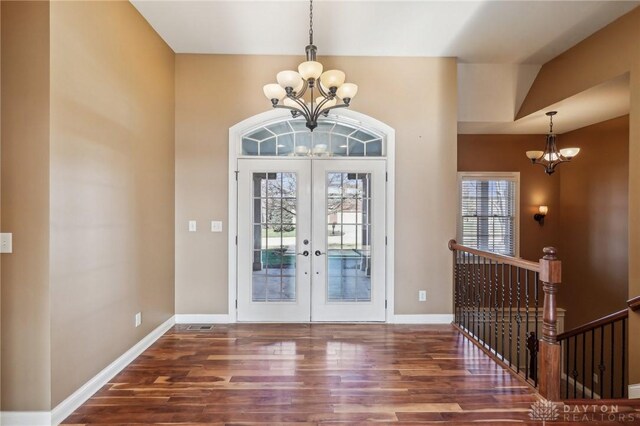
[(319, 253), (304, 253)]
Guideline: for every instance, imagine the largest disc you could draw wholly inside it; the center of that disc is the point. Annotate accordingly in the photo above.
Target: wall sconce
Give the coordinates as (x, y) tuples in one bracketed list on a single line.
[(542, 212)]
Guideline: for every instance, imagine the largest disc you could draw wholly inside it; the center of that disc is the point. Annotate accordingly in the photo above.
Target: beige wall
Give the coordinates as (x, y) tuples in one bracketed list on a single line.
[(112, 186), (88, 191), (588, 210), (608, 53), (214, 92), (505, 153), (25, 334)]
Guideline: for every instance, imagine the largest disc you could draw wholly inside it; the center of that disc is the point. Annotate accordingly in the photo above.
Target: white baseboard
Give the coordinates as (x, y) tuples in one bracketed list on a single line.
[(203, 319), (25, 418), (634, 391), (422, 319), (76, 399)]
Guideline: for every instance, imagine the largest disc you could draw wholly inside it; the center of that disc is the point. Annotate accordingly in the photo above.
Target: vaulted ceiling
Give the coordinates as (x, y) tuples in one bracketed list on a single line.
[(514, 35)]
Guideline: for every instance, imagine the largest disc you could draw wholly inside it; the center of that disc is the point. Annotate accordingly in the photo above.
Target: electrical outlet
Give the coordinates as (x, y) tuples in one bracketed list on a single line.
[(422, 296), (216, 226), (192, 226), (138, 319), (6, 243)]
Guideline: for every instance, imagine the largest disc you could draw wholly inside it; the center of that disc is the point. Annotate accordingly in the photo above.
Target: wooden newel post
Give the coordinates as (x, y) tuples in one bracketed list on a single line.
[(550, 275)]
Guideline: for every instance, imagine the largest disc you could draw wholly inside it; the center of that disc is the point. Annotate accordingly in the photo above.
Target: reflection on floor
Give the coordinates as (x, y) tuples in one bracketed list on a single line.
[(310, 374)]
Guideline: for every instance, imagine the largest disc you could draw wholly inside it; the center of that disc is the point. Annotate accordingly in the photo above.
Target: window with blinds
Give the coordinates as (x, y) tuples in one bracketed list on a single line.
[(488, 212)]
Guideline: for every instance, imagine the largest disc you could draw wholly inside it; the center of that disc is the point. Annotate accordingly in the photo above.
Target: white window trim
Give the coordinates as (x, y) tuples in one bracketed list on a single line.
[(513, 176)]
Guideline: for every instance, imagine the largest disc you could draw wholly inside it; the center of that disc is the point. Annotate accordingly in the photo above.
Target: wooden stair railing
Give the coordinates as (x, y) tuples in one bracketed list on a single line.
[(497, 305), (594, 358)]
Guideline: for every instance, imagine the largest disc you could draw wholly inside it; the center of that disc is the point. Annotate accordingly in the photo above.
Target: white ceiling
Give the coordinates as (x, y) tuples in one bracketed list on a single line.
[(474, 31), (500, 44), (605, 101)]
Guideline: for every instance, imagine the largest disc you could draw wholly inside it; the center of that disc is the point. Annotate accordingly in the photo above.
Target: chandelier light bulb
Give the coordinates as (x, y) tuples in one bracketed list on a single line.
[(332, 78), (569, 152), (310, 70), (274, 91), (534, 155), (289, 79), (347, 91)]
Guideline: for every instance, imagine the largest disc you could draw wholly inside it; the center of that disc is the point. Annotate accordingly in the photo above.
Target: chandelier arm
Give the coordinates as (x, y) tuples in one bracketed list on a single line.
[(322, 102), (303, 106), (544, 164), (295, 110), (322, 92), (326, 110), (318, 110), (305, 85)]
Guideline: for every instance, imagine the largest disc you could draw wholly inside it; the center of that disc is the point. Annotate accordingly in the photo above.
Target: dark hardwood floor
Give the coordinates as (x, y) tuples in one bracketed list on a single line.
[(310, 374)]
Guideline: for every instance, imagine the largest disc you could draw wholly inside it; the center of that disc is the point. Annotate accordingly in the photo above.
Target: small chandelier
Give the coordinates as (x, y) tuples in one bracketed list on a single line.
[(551, 156), (292, 86)]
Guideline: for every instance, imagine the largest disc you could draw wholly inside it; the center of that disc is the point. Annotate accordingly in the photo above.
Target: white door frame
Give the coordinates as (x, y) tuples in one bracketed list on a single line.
[(235, 151)]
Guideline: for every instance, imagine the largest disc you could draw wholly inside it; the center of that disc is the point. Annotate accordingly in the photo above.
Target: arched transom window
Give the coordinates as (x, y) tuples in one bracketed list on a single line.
[(330, 138)]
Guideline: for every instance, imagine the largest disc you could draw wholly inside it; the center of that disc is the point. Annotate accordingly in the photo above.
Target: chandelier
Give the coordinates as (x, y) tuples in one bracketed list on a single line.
[(293, 86), (551, 156)]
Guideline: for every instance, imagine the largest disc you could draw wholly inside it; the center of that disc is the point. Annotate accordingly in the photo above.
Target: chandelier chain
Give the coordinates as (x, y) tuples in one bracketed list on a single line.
[(311, 22)]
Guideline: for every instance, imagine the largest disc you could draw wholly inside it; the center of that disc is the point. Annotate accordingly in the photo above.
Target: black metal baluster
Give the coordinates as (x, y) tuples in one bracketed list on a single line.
[(459, 287), (456, 289), (456, 280), (574, 372), (536, 299), (495, 306), (476, 299), (510, 314), (484, 293), (489, 305), (502, 295), (623, 383), (613, 352), (463, 288), (518, 319), (584, 378), (566, 371), (526, 327), (601, 366), (593, 355), (468, 291)]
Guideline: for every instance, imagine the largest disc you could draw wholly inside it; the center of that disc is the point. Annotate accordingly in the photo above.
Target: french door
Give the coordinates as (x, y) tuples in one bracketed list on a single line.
[(311, 240)]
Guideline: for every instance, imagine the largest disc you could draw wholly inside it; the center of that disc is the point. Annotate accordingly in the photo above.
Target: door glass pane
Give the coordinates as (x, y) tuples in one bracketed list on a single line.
[(348, 237), (274, 237)]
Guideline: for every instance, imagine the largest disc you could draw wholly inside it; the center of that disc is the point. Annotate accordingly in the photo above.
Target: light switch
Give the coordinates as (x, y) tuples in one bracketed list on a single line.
[(6, 243), (192, 226), (216, 226)]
